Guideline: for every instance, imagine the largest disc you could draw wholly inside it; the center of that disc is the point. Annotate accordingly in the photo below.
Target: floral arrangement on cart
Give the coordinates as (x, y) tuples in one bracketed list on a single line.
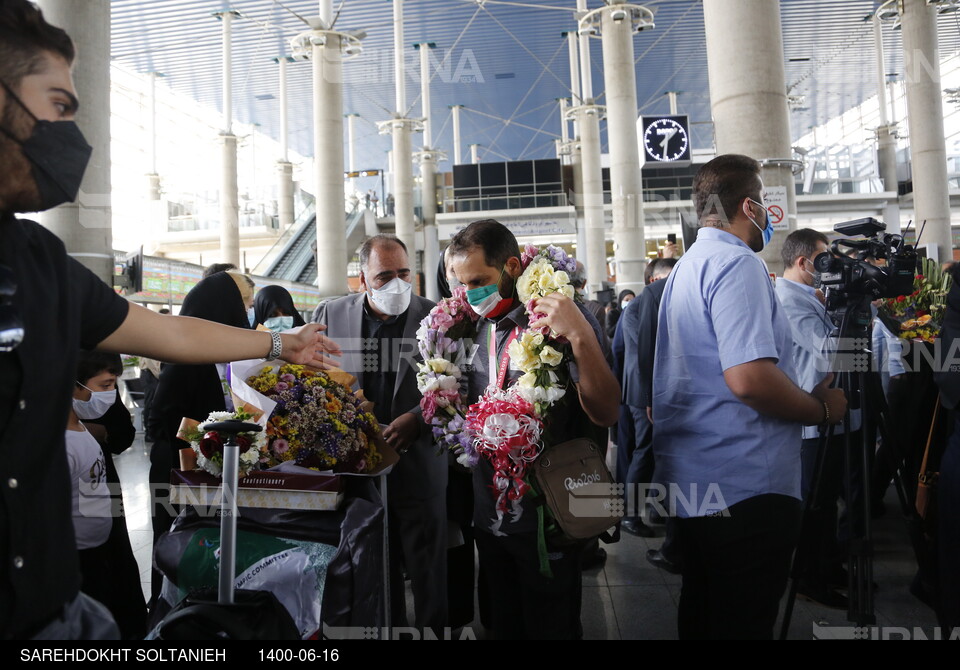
[(311, 419), (919, 316)]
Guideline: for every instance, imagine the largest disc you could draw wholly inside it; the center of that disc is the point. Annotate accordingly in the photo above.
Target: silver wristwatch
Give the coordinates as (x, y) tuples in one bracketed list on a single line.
[(276, 347)]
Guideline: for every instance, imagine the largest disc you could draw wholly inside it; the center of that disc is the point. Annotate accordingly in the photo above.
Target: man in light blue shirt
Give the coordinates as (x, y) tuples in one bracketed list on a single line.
[(814, 340), (726, 410)]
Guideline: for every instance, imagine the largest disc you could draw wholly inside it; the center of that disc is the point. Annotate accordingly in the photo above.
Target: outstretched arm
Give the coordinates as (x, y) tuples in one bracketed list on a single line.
[(181, 339)]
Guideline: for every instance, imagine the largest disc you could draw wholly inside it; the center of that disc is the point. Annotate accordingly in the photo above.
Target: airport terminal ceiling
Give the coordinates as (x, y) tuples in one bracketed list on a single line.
[(505, 62)]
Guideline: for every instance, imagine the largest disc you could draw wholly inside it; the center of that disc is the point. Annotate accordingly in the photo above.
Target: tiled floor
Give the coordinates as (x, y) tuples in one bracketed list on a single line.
[(628, 598)]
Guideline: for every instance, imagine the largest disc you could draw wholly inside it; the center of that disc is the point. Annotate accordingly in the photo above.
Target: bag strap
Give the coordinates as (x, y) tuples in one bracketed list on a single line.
[(926, 451)]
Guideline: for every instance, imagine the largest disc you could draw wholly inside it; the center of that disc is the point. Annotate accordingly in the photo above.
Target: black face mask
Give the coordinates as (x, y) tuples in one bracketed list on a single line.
[(58, 153)]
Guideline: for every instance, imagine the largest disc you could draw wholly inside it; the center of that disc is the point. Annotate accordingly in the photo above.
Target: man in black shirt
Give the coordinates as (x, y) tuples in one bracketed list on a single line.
[(50, 307), (525, 603), (378, 331)]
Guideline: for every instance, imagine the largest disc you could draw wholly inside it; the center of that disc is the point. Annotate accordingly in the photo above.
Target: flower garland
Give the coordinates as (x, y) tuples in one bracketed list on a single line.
[(503, 426), (443, 339)]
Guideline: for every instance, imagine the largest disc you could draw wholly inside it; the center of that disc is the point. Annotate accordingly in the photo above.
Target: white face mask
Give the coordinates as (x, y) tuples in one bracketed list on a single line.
[(97, 406), (392, 298), (251, 317), (278, 323)]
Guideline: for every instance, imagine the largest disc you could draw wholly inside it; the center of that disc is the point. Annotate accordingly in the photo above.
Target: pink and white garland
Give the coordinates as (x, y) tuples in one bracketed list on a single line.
[(503, 426)]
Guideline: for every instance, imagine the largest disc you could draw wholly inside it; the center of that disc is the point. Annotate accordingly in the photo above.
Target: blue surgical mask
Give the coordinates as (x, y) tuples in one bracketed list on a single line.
[(251, 317), (278, 323), (766, 232)]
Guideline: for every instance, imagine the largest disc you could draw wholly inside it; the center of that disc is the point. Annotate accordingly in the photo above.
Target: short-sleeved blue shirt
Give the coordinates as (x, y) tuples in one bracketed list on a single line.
[(719, 310)]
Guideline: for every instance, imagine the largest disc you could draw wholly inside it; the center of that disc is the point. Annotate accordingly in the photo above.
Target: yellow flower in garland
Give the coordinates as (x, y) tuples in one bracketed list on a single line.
[(524, 351), (550, 356)]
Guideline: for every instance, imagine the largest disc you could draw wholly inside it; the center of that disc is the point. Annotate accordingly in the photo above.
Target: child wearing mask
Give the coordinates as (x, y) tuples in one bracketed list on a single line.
[(103, 564)]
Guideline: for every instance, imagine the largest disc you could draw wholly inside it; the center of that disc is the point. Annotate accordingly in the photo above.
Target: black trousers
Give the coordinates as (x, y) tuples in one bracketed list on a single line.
[(735, 568), (819, 552), (111, 576), (524, 604)]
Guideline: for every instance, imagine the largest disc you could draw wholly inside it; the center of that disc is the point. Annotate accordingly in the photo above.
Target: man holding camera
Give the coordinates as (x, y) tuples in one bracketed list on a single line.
[(818, 552), (725, 412)]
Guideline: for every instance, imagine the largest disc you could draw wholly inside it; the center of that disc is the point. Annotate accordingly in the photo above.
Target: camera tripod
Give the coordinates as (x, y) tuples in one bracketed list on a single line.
[(851, 367)]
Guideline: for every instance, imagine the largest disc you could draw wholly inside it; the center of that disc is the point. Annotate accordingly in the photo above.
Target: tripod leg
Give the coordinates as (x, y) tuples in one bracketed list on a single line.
[(802, 550)]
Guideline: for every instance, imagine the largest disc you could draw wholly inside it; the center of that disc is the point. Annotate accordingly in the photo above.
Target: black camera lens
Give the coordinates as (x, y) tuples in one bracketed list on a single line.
[(827, 262)]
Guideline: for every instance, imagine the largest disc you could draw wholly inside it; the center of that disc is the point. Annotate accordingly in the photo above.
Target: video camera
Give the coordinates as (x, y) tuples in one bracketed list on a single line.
[(851, 284)]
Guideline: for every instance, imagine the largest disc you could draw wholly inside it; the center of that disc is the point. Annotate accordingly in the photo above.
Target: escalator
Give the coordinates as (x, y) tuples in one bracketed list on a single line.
[(297, 260)]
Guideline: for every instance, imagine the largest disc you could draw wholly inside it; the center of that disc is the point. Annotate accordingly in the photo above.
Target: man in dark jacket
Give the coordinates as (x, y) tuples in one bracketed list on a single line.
[(638, 326), (50, 306)]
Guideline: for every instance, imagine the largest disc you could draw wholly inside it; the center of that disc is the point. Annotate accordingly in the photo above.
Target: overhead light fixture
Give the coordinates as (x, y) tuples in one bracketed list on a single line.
[(889, 11), (618, 15)]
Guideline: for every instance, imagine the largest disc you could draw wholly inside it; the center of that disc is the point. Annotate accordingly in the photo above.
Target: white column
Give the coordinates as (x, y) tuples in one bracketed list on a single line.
[(748, 93), (428, 183), (153, 178), (573, 51), (285, 206), (352, 149), (886, 137), (153, 123), (229, 201), (425, 105), (402, 144), (457, 157), (229, 197), (564, 126), (928, 156), (85, 226), (328, 161), (625, 178), (595, 256), (474, 153)]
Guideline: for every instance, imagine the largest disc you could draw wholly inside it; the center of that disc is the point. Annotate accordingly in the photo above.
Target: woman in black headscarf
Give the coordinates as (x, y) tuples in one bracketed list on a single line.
[(191, 390), (273, 307), (613, 316)]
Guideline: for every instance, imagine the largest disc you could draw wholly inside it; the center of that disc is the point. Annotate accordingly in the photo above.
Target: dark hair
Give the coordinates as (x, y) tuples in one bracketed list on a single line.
[(377, 240), (663, 267), (25, 37), (164, 310), (498, 243), (217, 267), (92, 363), (720, 186), (648, 271), (802, 242)]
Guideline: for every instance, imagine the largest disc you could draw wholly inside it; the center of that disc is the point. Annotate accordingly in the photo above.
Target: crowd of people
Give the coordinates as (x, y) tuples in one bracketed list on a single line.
[(717, 379)]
